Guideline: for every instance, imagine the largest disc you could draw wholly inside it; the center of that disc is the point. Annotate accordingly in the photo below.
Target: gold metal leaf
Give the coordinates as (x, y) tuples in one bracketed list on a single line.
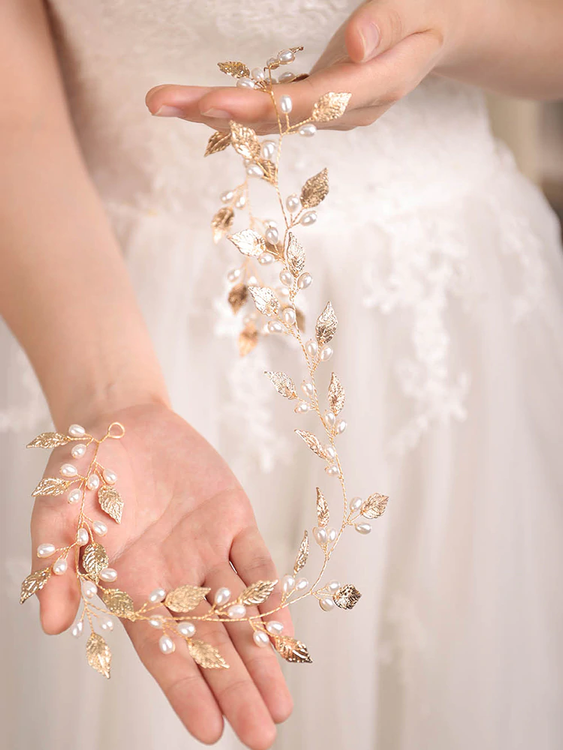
[(265, 300), (269, 170), (237, 297), (275, 250), (283, 384), (185, 598), (94, 559), (249, 242), (313, 442), (206, 655), (326, 325), (222, 222), (347, 597), (374, 506), (51, 486), (99, 655), (330, 106), (323, 515), (302, 554), (257, 592), (295, 256), (300, 315), (336, 394), (292, 650), (219, 141), (49, 440), (118, 602), (235, 69), (315, 190), (34, 583), (244, 141), (111, 502), (247, 340)]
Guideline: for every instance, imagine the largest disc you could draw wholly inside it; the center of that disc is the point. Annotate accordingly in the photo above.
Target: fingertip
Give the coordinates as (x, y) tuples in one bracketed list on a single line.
[(211, 731), (58, 607), (353, 39), (167, 97)]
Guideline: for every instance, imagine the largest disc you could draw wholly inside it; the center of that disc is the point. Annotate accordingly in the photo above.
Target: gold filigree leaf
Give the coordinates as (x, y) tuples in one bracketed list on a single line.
[(34, 583), (249, 242), (302, 554), (275, 250), (269, 170), (291, 649), (51, 486), (257, 592), (313, 442), (295, 256), (336, 394), (265, 300), (185, 598), (94, 559), (347, 597), (206, 655), (323, 515), (244, 141), (99, 655), (235, 69), (49, 440), (283, 384), (222, 222), (330, 106), (218, 142), (326, 325), (111, 502), (118, 602), (374, 506), (247, 340), (237, 297), (315, 190)]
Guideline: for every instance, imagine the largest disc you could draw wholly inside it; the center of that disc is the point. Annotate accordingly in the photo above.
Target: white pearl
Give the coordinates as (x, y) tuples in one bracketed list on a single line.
[(75, 496), (268, 149), (106, 623), (76, 431), (286, 56), (332, 471), (93, 482), (326, 353), (271, 61), (320, 535), (288, 584), (304, 280), (166, 645), (100, 528), (260, 638), (108, 575), (227, 196), (327, 604), (157, 595), (82, 537), (274, 627), (187, 629), (60, 567), (241, 201), (110, 476), (286, 77), (236, 611), (254, 170), (286, 105), (257, 74), (363, 528), (222, 596), (45, 550), (302, 408), (286, 278), (78, 450), (155, 622), (292, 203), (272, 236), (341, 426), (289, 316), (301, 584), (234, 274), (77, 629), (312, 348), (270, 223), (266, 258), (332, 534), (308, 218), (308, 130), (334, 585), (246, 83), (307, 388), (330, 419), (69, 470), (274, 326), (356, 503), (283, 291), (89, 589), (252, 281), (330, 452)]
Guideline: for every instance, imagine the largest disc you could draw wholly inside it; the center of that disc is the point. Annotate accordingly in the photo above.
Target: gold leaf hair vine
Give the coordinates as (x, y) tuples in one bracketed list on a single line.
[(261, 244)]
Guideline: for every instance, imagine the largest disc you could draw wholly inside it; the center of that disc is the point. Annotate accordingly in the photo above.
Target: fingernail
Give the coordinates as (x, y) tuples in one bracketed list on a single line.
[(166, 111), (371, 38), (218, 113)]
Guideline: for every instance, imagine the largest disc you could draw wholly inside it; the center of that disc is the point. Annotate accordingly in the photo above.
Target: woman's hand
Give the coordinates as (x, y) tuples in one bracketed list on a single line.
[(185, 520)]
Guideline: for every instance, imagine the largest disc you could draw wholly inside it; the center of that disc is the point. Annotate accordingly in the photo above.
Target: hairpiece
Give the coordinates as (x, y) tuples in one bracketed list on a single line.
[(261, 244)]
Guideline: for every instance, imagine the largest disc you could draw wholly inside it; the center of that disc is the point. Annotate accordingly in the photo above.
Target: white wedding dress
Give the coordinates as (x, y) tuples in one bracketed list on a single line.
[(444, 266)]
